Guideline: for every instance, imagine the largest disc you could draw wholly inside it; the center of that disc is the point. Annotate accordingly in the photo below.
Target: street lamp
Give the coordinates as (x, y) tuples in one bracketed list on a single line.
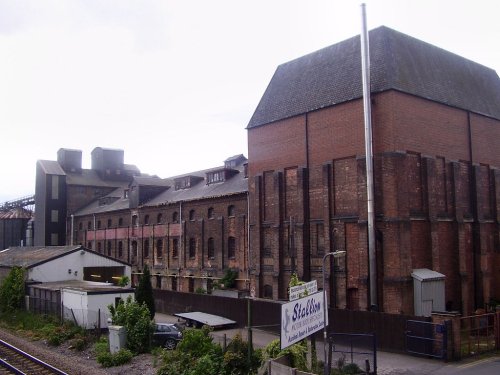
[(335, 254)]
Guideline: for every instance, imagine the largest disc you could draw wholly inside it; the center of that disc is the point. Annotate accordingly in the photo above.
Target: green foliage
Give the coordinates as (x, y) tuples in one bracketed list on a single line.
[(196, 354), (297, 353), (228, 280), (106, 359), (123, 281), (144, 292), (136, 319), (57, 334), (200, 291), (12, 290), (236, 358)]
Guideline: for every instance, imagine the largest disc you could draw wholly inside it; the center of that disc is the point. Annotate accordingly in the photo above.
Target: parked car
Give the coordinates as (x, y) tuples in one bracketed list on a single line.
[(167, 335)]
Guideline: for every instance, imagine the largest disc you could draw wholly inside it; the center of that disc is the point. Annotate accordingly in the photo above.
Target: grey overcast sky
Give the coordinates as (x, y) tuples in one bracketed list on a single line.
[(174, 83)]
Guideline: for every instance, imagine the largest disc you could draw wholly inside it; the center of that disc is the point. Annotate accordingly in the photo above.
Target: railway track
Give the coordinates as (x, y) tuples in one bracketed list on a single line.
[(15, 361)]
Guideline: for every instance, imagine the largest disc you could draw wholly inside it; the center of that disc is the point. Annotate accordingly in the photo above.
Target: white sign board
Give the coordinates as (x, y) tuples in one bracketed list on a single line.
[(300, 290), (301, 318)]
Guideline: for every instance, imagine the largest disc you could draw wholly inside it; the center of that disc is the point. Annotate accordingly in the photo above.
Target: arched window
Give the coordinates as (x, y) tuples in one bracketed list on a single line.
[(99, 247), (191, 215), (174, 283), (98, 224), (109, 248), (230, 211), (175, 217), (175, 248), (159, 218), (268, 291), (192, 248), (134, 248), (146, 249), (89, 225), (159, 248), (110, 222), (191, 284), (135, 222), (89, 245), (146, 220), (211, 213), (120, 222), (231, 247), (158, 281), (211, 248)]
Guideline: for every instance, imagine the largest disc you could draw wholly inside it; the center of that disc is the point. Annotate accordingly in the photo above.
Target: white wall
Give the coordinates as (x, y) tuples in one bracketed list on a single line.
[(57, 269), (85, 307)]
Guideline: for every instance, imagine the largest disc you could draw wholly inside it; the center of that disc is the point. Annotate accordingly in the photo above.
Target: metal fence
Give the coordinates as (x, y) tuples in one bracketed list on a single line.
[(479, 334), (356, 352)]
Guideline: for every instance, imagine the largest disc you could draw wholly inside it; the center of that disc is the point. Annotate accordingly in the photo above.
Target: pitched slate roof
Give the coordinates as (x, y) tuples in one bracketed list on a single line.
[(333, 75)]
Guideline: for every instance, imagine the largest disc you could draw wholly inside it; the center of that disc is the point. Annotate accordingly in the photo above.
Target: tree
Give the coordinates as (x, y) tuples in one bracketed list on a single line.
[(134, 316), (12, 290), (144, 292)]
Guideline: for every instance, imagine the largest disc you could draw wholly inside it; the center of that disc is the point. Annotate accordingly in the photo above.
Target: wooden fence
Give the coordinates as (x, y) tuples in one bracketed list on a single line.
[(266, 314)]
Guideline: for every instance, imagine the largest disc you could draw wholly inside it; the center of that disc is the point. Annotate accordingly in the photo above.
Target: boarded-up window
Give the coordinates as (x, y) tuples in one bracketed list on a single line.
[(54, 216), (55, 187)]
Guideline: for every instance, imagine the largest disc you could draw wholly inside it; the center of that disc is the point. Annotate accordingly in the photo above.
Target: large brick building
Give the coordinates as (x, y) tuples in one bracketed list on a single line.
[(189, 229), (302, 193), (436, 125)]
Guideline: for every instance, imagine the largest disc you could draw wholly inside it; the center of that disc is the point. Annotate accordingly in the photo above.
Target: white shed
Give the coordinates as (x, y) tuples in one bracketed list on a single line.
[(428, 291), (87, 303)]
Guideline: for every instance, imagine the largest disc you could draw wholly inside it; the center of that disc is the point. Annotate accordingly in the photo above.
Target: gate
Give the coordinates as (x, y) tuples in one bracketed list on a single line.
[(479, 334), (426, 338), (353, 353)]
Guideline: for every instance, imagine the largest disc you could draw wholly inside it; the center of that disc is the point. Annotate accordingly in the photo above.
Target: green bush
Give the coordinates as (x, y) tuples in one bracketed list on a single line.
[(296, 352), (12, 290), (106, 359), (136, 319)]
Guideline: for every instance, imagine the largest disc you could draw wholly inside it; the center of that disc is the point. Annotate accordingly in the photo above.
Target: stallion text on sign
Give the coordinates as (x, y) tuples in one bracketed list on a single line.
[(301, 318)]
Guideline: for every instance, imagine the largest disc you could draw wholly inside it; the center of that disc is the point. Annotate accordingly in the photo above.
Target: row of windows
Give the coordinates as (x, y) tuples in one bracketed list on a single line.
[(231, 248), (159, 218)]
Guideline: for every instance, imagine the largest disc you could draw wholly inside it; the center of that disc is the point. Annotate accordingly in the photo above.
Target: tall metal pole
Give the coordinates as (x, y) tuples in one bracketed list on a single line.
[(334, 254), (365, 68)]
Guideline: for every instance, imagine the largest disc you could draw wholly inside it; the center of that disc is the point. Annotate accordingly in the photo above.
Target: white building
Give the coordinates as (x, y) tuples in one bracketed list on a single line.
[(70, 281)]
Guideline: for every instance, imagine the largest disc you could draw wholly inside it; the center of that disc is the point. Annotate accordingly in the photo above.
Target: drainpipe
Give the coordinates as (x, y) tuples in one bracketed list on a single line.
[(248, 242), (365, 67), (72, 229), (95, 233)]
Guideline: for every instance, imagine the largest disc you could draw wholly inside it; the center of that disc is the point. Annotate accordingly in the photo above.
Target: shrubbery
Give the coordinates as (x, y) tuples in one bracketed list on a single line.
[(107, 359)]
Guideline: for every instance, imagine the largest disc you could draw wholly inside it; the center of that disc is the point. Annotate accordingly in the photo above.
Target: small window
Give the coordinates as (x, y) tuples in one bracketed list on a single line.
[(191, 215), (175, 248), (98, 224), (110, 223), (146, 248), (211, 248), (135, 222), (109, 248), (89, 245), (159, 248), (80, 226), (175, 217), (99, 247), (211, 213), (268, 291), (192, 248), (120, 222), (146, 220), (191, 284), (230, 211), (174, 283), (159, 219), (231, 247), (89, 225), (54, 216)]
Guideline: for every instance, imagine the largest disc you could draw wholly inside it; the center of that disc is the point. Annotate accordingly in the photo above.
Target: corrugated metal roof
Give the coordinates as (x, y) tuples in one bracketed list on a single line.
[(28, 256), (83, 286), (16, 213), (425, 274), (333, 75)]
